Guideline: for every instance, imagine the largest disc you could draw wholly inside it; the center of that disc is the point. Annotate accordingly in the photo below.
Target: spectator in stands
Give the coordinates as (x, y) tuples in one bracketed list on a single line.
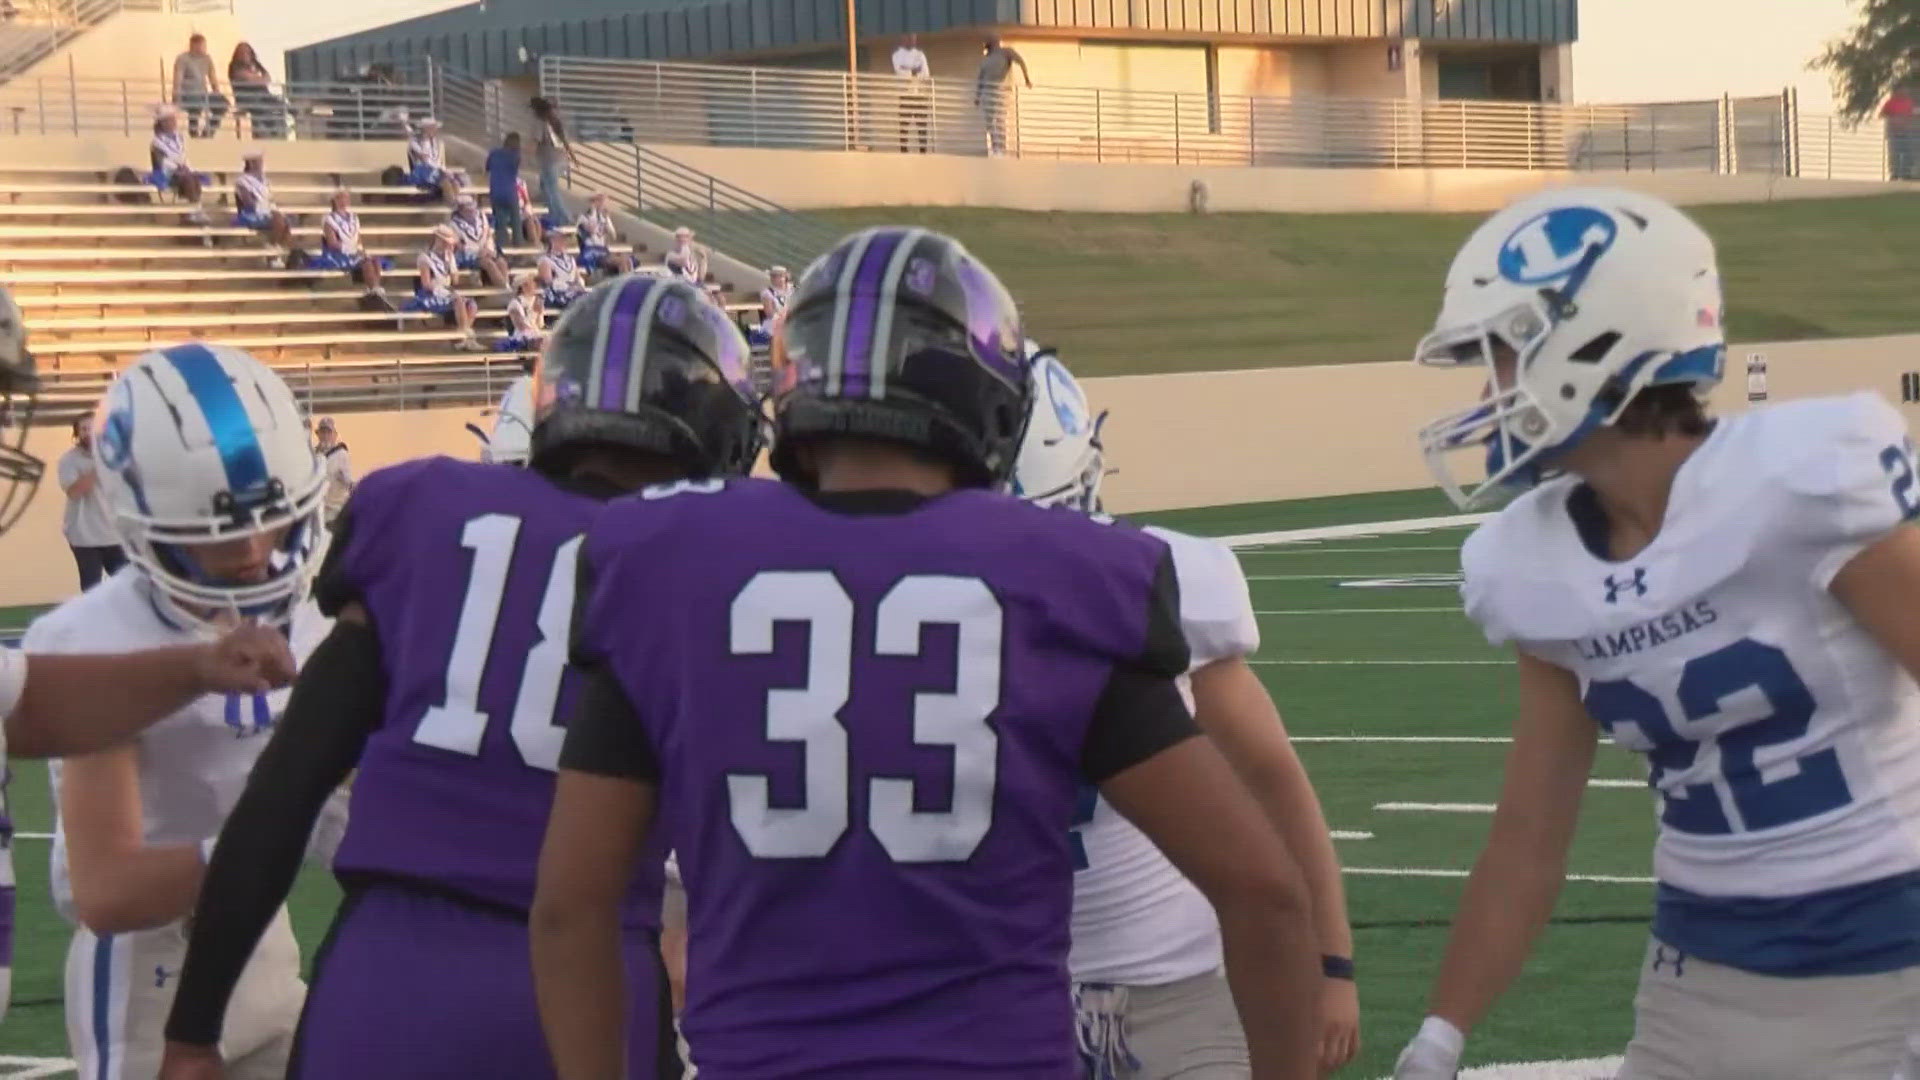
[(427, 163), (89, 525), (253, 204), (548, 145), (171, 169), (253, 94), (693, 257), (597, 236), (340, 249), (196, 89), (1902, 133), (560, 276), (533, 226), (333, 454), (990, 90), (476, 250), (503, 191), (434, 291), (773, 298), (916, 92), (526, 315)]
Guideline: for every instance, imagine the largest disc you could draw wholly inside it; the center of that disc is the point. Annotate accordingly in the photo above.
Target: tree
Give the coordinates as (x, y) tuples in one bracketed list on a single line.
[(1880, 53)]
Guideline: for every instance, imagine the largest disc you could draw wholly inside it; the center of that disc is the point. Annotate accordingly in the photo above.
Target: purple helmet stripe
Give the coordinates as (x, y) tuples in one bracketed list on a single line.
[(868, 283), (620, 326)]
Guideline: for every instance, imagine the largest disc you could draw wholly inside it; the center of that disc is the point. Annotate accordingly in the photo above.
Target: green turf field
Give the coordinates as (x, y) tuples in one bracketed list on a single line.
[(1346, 663), (1125, 294)]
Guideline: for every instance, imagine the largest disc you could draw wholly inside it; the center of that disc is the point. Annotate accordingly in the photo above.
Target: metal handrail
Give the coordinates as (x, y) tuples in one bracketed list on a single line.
[(652, 185), (72, 105), (337, 385)]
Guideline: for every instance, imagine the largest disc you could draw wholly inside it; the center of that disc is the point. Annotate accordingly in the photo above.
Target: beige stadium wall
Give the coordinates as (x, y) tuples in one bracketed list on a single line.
[(140, 47), (1177, 440), (814, 179)]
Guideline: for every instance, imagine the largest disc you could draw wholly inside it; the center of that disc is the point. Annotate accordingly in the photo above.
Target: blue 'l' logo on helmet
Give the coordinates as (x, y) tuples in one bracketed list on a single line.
[(1069, 402), (1548, 247)]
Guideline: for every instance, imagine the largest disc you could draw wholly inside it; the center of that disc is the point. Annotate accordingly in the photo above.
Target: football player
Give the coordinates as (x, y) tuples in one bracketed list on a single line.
[(442, 684), (862, 702), (216, 495), (56, 705), (1733, 598), (1146, 946)]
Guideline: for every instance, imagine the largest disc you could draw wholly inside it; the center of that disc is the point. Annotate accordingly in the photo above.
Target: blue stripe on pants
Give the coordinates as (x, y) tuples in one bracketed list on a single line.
[(103, 1006)]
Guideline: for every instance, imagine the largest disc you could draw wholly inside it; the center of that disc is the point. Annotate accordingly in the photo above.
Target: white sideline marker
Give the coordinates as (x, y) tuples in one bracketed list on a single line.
[(1345, 834), (1307, 548), (1437, 807)]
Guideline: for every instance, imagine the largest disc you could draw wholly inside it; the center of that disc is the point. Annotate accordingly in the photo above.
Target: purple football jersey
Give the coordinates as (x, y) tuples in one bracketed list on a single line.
[(468, 572), (869, 730)]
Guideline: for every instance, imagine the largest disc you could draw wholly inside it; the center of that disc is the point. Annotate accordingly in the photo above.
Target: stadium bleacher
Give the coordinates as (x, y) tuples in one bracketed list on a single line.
[(104, 270)]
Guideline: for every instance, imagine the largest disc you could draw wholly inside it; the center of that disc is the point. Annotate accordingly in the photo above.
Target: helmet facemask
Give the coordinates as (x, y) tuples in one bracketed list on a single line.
[(171, 554)]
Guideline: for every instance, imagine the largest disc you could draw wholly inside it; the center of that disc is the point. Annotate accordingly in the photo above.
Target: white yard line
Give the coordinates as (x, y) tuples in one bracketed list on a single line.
[(1401, 871), (33, 1068), (1389, 663), (1347, 834), (1399, 739), (1455, 610), (1437, 807), (1432, 579), (1342, 532), (1309, 549)]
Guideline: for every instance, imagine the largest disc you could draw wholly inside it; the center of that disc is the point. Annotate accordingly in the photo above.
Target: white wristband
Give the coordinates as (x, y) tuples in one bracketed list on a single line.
[(1442, 1034)]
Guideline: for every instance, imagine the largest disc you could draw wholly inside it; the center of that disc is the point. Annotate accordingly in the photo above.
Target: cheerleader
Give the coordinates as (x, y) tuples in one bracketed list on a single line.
[(433, 289), (476, 250), (340, 248), (560, 275), (597, 236)]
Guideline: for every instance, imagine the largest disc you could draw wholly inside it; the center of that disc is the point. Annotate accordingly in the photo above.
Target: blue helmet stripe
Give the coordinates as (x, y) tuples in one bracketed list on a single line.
[(233, 435)]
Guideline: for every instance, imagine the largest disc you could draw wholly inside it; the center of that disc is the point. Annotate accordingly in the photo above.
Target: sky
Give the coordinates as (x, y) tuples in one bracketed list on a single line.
[(1629, 50), (1676, 50)]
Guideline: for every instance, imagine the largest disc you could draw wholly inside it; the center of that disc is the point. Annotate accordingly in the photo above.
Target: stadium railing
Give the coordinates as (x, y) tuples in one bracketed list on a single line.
[(786, 108), (345, 109)]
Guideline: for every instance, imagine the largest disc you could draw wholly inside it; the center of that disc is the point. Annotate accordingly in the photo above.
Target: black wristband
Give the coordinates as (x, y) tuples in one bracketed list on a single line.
[(1337, 967)]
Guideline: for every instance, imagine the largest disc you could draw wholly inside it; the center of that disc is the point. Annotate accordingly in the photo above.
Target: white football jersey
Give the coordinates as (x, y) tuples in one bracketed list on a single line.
[(194, 763), (1136, 920), (13, 683), (1783, 741)]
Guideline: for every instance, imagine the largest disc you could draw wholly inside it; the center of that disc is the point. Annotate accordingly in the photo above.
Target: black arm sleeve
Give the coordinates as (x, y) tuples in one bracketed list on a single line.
[(604, 735), (336, 705), (331, 589), (1165, 651), (1139, 714)]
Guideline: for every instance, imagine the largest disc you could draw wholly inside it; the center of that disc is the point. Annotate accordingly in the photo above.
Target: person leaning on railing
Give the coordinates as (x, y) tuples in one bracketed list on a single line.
[(253, 94), (197, 90)]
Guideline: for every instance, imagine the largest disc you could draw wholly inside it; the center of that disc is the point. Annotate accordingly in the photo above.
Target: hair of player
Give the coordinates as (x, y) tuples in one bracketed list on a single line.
[(1661, 411), (622, 466)]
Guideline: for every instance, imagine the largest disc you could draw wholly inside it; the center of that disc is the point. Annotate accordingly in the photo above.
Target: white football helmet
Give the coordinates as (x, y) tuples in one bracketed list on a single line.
[(204, 459), (20, 471), (511, 438), (1592, 294), (1061, 462)]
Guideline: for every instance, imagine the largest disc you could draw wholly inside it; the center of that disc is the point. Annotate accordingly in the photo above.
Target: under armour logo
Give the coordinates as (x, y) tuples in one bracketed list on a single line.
[(1678, 959), (160, 976), (1637, 582)]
